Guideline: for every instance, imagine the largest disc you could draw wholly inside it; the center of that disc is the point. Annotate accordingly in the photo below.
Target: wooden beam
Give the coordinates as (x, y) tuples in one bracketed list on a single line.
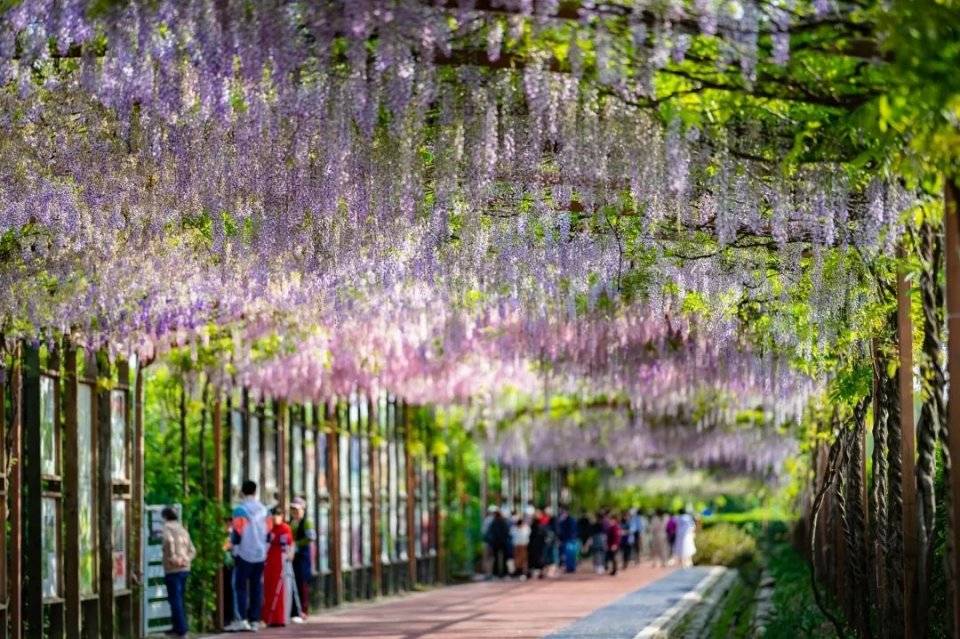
[(184, 444), (15, 549), (71, 508), (4, 494), (136, 494), (952, 250), (103, 472), (218, 489), (333, 484), (281, 420), (375, 439), (32, 550), (908, 452), (437, 516), (411, 480)]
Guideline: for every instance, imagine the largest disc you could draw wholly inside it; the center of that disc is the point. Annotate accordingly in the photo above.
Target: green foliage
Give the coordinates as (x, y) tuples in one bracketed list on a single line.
[(204, 519), (725, 545), (795, 611)]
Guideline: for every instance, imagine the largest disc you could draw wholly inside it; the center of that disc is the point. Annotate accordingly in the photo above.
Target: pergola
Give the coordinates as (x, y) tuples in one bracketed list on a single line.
[(350, 212)]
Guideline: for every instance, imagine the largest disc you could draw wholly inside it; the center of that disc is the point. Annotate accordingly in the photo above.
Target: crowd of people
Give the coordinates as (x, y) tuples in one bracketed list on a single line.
[(270, 554), (537, 542)]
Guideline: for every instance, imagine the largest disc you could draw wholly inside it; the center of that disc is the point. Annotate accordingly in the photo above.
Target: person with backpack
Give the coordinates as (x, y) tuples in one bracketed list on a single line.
[(248, 537), (304, 537), (178, 552)]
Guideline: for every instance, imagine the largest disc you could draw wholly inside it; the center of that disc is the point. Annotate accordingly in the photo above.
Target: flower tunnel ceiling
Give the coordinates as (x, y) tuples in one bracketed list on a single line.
[(467, 202)]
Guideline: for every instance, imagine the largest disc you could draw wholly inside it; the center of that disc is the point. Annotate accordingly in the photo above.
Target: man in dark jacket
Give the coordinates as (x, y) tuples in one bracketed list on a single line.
[(498, 537)]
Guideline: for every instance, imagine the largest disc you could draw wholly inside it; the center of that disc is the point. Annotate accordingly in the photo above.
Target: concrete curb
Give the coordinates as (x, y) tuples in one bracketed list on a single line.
[(669, 620)]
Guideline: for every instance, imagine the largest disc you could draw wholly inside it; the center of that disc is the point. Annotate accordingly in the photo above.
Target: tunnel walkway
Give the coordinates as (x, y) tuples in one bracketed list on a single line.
[(579, 605)]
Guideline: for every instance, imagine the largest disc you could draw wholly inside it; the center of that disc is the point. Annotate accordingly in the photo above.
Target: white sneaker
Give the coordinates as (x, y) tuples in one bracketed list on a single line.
[(297, 619), (255, 626), (240, 625)]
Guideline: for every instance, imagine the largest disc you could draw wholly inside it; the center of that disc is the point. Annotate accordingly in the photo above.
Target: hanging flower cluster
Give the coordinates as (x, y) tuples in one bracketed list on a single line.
[(408, 195)]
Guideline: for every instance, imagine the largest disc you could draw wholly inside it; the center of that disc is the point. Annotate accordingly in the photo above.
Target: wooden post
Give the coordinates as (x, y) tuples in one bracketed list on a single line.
[(4, 494), (952, 250), (15, 585), (374, 435), (908, 451), (136, 499), (71, 508), (217, 487), (333, 483), (184, 487), (282, 417), (437, 517), (484, 486), (32, 550), (104, 499), (411, 496)]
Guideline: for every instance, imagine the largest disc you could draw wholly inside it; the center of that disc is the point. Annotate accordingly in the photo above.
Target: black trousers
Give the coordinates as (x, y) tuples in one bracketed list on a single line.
[(499, 560), (610, 558)]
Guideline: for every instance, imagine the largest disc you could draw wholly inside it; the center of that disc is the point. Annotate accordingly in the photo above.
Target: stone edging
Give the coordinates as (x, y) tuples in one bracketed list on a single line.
[(662, 626)]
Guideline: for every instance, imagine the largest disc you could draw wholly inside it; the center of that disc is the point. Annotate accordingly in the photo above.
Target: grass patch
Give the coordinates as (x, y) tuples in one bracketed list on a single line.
[(736, 610), (795, 612)]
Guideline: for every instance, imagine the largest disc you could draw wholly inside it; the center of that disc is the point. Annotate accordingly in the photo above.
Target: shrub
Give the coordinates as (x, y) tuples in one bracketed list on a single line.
[(725, 544)]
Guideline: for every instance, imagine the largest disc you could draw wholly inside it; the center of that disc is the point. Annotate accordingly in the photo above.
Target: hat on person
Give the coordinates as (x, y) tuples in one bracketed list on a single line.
[(298, 503), (492, 508)]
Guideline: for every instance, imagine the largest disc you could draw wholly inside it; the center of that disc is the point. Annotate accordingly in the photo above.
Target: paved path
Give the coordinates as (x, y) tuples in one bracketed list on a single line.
[(627, 616), (490, 610)]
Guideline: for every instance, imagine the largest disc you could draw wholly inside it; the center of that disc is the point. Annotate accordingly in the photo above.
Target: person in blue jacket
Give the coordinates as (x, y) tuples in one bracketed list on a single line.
[(567, 535)]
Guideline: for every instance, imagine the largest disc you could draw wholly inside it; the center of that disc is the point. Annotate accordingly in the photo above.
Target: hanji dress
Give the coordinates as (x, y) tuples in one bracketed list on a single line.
[(275, 591)]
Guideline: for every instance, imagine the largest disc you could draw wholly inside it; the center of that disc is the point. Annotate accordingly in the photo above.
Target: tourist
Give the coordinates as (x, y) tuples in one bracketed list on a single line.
[(658, 534), (304, 537), (627, 538), (178, 552), (684, 547), (567, 536), (598, 543), (583, 534), (611, 527), (537, 547), (248, 538), (671, 529), (551, 558), (644, 542), (487, 550), (511, 519), (498, 538), (520, 537), (636, 528), (280, 550)]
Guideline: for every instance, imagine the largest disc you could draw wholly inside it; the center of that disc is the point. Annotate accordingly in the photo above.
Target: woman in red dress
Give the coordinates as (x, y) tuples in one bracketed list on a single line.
[(279, 551)]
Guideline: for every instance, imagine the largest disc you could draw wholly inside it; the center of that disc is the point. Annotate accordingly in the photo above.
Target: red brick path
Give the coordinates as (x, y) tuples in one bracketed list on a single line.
[(478, 610)]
